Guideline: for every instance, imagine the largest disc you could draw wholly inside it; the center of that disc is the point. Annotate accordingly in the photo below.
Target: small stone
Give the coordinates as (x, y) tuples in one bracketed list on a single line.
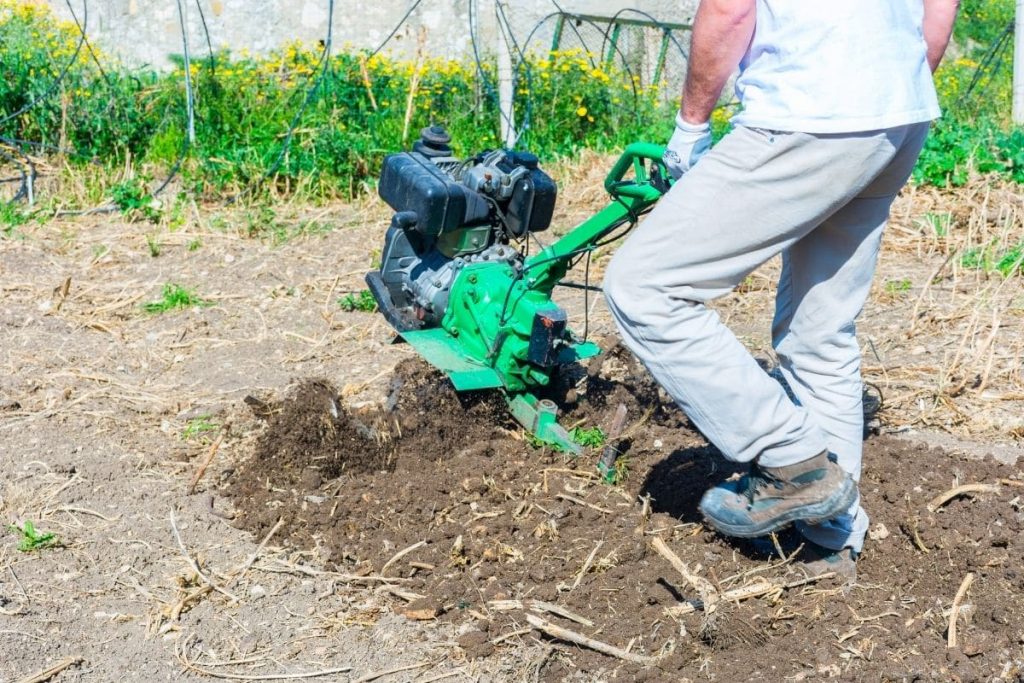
[(311, 478), (257, 592), (424, 609), (977, 643), (879, 532), (658, 443)]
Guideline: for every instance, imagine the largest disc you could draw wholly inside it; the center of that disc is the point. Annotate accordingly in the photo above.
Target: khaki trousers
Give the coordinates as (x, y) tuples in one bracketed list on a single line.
[(822, 201)]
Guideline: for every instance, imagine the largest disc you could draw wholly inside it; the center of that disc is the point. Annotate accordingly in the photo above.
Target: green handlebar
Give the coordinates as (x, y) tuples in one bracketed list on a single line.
[(633, 157)]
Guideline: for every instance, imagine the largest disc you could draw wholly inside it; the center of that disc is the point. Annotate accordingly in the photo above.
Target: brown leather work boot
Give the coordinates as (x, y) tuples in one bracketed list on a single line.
[(768, 498)]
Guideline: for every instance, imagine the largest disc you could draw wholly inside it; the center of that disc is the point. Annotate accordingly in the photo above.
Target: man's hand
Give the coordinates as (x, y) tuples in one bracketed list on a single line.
[(688, 144), (939, 16)]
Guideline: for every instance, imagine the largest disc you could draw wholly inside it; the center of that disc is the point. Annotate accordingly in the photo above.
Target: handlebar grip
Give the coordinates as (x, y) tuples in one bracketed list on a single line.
[(640, 188)]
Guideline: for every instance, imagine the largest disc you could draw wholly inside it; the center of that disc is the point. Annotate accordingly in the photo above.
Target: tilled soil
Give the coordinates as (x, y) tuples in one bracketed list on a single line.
[(440, 497)]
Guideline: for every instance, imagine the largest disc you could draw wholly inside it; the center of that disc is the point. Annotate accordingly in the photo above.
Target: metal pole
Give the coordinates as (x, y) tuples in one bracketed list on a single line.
[(506, 92), (1018, 66)]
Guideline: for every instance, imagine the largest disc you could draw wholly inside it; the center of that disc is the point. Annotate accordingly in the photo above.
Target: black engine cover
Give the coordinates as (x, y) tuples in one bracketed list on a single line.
[(411, 183)]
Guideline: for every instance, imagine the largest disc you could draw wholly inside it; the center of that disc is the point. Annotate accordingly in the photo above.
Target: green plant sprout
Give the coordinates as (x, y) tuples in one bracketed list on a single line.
[(154, 245), (897, 287), (588, 438), (174, 297), (198, 426), (363, 301), (134, 201), (32, 539)]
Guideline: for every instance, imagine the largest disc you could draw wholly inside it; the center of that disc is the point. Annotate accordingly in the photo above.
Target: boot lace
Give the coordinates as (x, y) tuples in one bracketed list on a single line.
[(758, 479)]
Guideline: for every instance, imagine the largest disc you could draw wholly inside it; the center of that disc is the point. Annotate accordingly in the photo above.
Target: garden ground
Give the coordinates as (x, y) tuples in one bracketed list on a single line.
[(337, 539)]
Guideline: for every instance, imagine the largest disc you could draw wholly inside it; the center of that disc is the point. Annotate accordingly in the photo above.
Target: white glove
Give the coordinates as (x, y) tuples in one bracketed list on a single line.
[(688, 144)]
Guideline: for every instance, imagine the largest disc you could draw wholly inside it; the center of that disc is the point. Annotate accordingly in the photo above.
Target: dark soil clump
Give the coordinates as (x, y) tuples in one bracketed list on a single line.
[(490, 518), (311, 437)]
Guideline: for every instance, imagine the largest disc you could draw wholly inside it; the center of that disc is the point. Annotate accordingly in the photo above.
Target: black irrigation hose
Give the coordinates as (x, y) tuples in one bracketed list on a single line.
[(209, 42), (396, 29), (26, 175), (323, 66), (186, 144), (997, 49), (575, 30), (88, 45)]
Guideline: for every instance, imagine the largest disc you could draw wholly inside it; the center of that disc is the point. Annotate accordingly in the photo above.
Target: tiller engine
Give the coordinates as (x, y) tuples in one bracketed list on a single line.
[(457, 283)]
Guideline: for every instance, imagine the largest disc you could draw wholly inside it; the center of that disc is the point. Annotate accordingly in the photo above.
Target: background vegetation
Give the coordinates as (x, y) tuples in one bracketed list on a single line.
[(60, 95)]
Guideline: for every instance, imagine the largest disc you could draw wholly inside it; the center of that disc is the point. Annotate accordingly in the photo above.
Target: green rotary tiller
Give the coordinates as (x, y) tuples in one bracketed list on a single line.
[(457, 283)]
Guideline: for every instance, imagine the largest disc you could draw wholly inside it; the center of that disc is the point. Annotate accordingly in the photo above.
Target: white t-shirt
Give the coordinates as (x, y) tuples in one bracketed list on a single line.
[(836, 66)]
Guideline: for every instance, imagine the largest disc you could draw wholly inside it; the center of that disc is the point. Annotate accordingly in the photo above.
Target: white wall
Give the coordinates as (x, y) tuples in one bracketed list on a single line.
[(145, 32)]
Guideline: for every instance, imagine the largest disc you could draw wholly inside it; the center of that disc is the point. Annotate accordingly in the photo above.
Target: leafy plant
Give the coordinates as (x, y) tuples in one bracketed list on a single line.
[(11, 216), (32, 539), (363, 301), (173, 297), (135, 202), (898, 287), (198, 426), (593, 437)]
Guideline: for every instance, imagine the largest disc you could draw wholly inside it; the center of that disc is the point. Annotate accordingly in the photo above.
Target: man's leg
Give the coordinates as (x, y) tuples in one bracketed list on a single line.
[(754, 195), (826, 278)]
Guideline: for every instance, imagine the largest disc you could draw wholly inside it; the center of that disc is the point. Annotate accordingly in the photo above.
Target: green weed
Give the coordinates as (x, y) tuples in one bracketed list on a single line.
[(194, 244), (31, 539), (937, 224), (993, 259), (619, 472), (133, 199), (173, 297), (198, 426), (588, 438), (153, 245), (363, 301), (1010, 263), (11, 216), (898, 287)]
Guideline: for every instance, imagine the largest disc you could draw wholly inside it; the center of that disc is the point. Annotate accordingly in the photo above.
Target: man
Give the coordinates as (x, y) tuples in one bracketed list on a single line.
[(837, 98)]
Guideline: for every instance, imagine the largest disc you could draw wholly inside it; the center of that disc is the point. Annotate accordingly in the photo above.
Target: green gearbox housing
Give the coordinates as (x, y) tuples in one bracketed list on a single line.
[(455, 287)]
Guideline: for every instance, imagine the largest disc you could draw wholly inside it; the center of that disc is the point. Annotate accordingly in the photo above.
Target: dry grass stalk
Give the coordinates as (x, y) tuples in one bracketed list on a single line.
[(754, 590), (208, 459), (538, 606), (241, 572), (586, 566), (400, 554), (381, 674), (578, 501), (943, 498), (49, 673), (195, 565), (709, 596), (565, 634), (955, 611)]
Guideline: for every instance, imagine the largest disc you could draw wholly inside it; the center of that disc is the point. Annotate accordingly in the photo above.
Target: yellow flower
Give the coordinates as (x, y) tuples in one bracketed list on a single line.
[(581, 112)]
